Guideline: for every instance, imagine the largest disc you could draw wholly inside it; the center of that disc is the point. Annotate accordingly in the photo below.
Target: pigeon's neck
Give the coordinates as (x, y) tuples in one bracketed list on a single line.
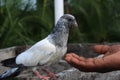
[(60, 34)]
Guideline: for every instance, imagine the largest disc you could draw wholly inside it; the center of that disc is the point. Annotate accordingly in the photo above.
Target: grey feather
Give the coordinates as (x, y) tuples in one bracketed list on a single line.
[(61, 31)]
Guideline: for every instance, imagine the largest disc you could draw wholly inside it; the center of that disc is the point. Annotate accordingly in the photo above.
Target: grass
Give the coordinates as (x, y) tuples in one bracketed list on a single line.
[(98, 20)]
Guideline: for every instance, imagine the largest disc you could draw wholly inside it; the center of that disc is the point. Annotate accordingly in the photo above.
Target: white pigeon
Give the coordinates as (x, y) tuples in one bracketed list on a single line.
[(45, 52)]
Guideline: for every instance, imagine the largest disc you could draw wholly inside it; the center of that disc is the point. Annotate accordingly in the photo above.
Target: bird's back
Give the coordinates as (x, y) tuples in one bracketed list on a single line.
[(40, 53)]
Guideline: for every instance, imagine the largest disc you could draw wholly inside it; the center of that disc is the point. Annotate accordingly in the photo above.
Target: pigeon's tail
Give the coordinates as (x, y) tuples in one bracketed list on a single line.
[(11, 73)]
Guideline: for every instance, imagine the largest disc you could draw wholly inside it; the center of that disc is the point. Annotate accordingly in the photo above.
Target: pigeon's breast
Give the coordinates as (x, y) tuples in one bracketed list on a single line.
[(60, 52)]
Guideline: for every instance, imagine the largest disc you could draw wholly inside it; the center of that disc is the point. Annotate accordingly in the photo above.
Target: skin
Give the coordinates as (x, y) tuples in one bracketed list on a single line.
[(109, 62)]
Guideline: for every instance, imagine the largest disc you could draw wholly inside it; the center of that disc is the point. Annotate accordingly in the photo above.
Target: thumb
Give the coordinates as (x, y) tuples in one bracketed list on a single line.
[(102, 49)]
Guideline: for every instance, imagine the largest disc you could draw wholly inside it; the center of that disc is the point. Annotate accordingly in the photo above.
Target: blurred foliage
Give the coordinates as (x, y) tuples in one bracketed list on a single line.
[(24, 26), (98, 20)]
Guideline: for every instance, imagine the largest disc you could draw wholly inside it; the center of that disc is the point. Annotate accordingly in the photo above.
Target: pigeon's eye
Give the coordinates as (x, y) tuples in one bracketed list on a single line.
[(70, 20)]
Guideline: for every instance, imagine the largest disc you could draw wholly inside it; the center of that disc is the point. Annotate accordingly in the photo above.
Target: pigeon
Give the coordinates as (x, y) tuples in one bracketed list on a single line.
[(45, 52)]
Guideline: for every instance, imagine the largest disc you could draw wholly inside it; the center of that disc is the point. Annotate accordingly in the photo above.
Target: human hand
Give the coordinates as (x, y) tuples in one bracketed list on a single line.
[(110, 61)]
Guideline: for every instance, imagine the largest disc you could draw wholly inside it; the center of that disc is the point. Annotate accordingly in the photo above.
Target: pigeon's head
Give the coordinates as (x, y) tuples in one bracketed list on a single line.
[(69, 20)]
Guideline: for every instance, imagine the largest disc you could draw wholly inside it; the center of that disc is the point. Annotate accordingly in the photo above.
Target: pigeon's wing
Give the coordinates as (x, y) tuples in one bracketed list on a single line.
[(40, 53)]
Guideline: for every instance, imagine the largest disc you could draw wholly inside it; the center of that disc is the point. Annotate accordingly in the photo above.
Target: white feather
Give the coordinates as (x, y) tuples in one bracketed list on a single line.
[(40, 53)]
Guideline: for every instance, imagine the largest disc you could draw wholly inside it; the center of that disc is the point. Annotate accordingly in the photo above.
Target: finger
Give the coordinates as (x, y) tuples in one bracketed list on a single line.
[(83, 65), (74, 62), (87, 63), (102, 49), (68, 55), (78, 57), (68, 58), (73, 55)]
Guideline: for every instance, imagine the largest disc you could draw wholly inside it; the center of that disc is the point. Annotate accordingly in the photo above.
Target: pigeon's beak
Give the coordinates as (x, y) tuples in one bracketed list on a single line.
[(75, 24)]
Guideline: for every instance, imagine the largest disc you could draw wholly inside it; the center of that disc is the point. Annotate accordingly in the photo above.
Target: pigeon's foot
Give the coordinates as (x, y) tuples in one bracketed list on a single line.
[(40, 76), (50, 74)]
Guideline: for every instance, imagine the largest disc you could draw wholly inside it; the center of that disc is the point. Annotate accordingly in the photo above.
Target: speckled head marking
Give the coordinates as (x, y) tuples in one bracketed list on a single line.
[(68, 20), (61, 30)]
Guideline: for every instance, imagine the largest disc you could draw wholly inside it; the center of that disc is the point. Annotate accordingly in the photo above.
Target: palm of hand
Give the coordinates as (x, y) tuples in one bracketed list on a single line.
[(110, 61)]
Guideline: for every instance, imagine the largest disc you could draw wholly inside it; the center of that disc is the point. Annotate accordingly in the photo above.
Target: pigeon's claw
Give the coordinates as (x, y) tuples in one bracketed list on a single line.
[(44, 78), (50, 74), (41, 77)]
